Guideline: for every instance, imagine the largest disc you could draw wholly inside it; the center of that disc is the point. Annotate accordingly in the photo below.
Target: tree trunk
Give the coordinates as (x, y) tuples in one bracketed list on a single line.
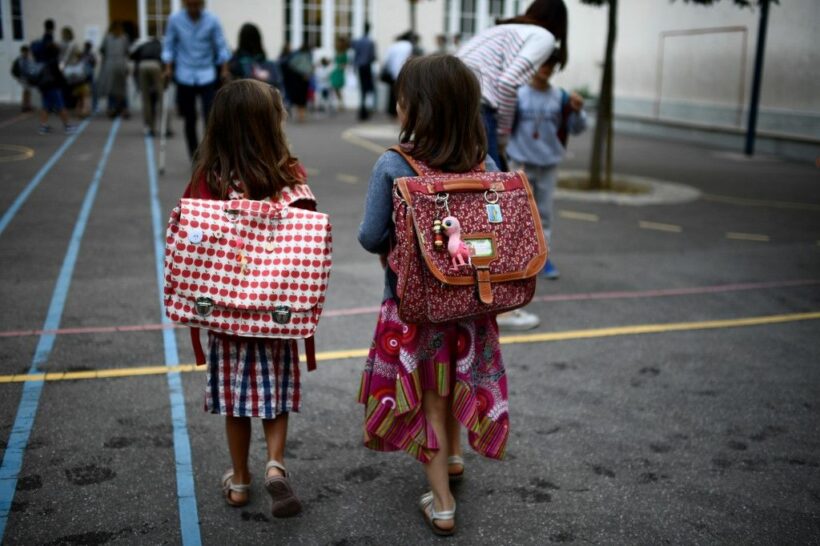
[(604, 118)]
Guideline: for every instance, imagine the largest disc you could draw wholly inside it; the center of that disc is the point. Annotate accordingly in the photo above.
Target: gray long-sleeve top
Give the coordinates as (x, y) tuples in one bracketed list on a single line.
[(377, 227)]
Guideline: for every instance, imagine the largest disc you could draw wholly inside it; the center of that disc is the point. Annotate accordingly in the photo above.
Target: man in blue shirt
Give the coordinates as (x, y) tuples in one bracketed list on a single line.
[(364, 51), (194, 46)]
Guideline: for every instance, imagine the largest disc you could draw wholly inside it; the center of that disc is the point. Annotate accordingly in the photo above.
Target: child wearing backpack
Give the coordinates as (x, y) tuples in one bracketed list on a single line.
[(51, 82), (545, 116), (244, 154), (422, 381)]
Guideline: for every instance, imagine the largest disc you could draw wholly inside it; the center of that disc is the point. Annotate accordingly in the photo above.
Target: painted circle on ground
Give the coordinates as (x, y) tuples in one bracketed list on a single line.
[(12, 152)]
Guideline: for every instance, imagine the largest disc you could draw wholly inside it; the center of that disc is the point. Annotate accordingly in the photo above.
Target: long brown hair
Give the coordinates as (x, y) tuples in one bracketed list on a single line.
[(551, 15), (441, 101), (245, 142)]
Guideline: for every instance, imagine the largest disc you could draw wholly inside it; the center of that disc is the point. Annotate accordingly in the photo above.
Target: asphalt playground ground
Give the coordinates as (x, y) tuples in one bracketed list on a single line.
[(670, 395)]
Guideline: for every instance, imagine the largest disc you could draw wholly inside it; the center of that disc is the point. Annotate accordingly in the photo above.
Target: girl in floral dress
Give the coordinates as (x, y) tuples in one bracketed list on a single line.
[(423, 381)]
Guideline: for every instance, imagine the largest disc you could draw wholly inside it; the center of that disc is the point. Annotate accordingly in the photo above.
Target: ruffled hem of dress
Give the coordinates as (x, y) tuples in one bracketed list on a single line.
[(403, 426)]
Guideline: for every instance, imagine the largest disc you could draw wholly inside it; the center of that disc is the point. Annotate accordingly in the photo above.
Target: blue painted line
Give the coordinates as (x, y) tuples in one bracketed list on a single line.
[(27, 410), (55, 157), (188, 515)]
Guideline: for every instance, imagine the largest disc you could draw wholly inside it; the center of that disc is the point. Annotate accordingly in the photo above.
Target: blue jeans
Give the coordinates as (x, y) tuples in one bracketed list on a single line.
[(543, 181), (488, 117)]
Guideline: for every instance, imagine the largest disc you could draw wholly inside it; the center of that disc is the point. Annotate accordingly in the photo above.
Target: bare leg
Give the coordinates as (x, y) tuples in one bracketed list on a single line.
[(238, 431), (454, 442), (276, 435), (64, 116), (43, 116), (436, 409)]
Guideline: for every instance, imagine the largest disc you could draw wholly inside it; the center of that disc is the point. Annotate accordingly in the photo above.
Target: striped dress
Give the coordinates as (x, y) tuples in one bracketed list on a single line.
[(505, 57)]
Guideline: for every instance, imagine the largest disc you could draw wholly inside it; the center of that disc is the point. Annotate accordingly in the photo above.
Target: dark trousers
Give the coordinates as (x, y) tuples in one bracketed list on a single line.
[(186, 102), (365, 86), (490, 119)]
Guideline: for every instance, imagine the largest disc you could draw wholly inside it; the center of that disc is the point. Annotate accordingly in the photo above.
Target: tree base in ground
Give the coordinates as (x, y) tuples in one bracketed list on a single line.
[(621, 186)]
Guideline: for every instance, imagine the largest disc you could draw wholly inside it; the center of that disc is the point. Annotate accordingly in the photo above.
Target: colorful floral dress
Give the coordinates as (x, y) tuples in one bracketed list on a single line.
[(460, 360)]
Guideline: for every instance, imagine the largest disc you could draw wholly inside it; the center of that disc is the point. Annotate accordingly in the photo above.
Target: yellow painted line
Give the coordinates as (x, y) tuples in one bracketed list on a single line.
[(573, 215), (363, 142), (12, 152), (592, 333), (657, 226), (311, 171), (759, 202), (348, 178), (747, 236)]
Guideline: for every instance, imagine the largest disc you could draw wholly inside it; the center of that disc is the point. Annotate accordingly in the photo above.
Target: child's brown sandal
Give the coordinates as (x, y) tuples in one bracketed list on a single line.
[(229, 487), (428, 508), (455, 460), (284, 502)]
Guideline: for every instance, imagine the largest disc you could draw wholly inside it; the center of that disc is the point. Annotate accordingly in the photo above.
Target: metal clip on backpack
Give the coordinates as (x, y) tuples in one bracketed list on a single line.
[(248, 268), (466, 244)]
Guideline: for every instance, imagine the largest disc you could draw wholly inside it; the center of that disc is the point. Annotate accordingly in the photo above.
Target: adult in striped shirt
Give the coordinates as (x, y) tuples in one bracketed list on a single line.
[(506, 57)]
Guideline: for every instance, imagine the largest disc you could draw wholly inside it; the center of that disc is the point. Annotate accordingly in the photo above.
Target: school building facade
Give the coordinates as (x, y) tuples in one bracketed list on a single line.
[(678, 65)]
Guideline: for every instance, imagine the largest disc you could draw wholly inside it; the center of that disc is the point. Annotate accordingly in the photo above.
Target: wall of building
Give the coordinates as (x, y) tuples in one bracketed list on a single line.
[(703, 78), (88, 18)]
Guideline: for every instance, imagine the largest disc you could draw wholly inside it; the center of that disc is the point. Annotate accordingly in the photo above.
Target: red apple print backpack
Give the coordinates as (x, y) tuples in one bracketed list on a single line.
[(466, 244), (248, 268)]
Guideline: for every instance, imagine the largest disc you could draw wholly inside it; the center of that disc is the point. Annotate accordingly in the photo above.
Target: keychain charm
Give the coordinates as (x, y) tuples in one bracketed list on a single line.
[(493, 208), (438, 238)]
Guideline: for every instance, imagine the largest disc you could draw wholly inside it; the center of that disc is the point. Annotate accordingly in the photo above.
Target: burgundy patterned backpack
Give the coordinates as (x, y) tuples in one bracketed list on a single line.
[(466, 244), (248, 268)]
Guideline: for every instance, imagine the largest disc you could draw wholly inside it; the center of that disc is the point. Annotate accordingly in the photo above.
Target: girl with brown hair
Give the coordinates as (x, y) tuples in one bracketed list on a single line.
[(245, 155), (423, 381)]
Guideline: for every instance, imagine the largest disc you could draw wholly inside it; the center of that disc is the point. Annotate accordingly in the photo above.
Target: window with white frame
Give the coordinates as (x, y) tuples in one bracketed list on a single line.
[(156, 16), (468, 19), (17, 20), (312, 23), (496, 10), (343, 19)]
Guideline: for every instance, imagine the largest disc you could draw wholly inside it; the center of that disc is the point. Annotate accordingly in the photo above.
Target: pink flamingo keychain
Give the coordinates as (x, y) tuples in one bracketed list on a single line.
[(458, 249)]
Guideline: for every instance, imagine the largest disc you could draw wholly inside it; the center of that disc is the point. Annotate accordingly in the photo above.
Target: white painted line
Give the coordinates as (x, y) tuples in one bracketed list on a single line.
[(671, 228), (573, 215), (747, 237), (363, 142), (348, 178), (741, 201), (311, 171)]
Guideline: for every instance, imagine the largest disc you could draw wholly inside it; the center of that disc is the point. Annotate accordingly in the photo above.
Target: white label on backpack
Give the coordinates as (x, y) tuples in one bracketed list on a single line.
[(480, 248)]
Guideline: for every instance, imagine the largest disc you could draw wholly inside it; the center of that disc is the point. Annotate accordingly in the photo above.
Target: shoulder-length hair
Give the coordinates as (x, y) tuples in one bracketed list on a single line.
[(250, 40), (551, 15), (244, 143), (440, 99)]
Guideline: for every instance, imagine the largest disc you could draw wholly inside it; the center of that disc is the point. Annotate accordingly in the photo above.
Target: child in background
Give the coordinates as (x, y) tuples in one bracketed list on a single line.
[(323, 73), (423, 381), (245, 154), (51, 83), (545, 116), (20, 69)]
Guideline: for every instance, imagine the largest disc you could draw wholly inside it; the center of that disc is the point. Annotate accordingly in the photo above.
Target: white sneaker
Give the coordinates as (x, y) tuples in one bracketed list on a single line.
[(517, 321)]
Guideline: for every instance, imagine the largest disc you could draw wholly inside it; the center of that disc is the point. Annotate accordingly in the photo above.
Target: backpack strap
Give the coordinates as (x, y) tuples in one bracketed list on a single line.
[(422, 169), (199, 354), (310, 353)]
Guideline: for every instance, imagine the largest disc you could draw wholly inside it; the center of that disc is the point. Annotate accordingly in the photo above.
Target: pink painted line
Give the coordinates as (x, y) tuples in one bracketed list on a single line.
[(676, 291), (15, 119), (581, 296)]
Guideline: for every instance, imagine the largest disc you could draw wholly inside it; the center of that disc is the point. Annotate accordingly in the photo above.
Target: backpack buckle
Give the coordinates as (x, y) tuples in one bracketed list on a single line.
[(281, 314), (204, 306)]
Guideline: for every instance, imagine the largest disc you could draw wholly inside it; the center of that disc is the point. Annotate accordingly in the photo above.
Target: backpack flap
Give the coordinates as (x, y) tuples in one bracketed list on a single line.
[(496, 237), (248, 268)]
